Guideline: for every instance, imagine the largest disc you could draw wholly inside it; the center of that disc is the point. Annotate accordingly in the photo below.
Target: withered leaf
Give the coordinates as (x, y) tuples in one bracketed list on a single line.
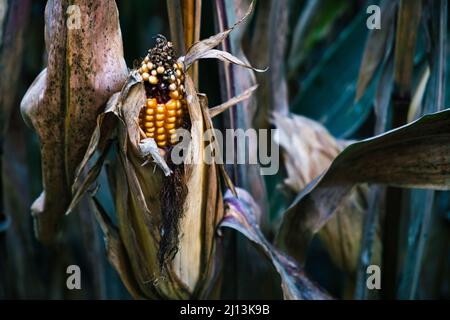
[(408, 20), (85, 67), (240, 215), (226, 57), (314, 152), (413, 156), (115, 250), (199, 49), (377, 42), (214, 111)]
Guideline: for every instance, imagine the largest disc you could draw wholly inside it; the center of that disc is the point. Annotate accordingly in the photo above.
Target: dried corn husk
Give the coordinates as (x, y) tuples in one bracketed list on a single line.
[(141, 172), (314, 151)]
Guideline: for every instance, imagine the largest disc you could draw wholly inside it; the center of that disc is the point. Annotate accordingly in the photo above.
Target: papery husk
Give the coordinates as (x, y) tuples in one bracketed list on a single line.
[(85, 67), (137, 199), (314, 151), (141, 172), (420, 147)]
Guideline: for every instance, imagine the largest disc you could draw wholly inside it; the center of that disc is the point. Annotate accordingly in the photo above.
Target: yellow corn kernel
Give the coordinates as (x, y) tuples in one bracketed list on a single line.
[(151, 103), (171, 119), (162, 143), (174, 94), (171, 104), (170, 126)]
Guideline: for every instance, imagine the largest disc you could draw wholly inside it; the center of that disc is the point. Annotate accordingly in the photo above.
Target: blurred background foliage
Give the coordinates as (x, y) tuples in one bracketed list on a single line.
[(314, 50)]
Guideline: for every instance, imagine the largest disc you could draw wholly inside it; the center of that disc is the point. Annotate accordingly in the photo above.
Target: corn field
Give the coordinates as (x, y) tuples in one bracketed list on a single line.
[(224, 149)]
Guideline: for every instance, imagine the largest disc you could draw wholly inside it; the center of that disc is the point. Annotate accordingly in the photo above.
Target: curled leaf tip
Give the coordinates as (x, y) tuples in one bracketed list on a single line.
[(214, 111), (199, 49)]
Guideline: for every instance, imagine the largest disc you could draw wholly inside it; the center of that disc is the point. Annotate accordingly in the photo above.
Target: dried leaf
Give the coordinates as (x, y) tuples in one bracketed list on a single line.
[(149, 149), (199, 48), (85, 67), (314, 148), (314, 152), (209, 126), (376, 45), (235, 81), (214, 111), (240, 214), (416, 155), (89, 179), (115, 250), (102, 133), (408, 20), (226, 57)]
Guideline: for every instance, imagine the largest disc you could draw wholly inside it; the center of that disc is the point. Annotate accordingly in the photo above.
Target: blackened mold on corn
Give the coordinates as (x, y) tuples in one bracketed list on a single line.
[(166, 107)]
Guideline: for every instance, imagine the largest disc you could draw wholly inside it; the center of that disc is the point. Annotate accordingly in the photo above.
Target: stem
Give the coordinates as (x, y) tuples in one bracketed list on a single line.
[(433, 103), (394, 213), (175, 14), (369, 231), (229, 122), (408, 19)]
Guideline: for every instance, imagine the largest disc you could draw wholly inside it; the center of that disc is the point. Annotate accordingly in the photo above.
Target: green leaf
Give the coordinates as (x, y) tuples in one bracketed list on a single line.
[(336, 76)]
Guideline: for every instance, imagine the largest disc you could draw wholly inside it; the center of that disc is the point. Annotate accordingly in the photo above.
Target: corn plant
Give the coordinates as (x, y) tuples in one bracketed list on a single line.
[(355, 106)]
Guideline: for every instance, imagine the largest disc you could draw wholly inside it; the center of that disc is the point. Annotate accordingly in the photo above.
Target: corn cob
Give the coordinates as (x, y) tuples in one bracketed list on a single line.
[(164, 85)]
